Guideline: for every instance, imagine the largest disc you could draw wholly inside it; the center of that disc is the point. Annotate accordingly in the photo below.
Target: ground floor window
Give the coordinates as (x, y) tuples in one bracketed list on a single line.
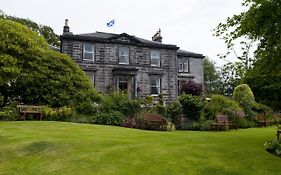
[(91, 75), (155, 85)]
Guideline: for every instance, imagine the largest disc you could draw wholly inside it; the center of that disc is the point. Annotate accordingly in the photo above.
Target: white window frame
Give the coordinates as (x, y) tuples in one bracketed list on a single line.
[(126, 56), (183, 65), (180, 65), (155, 55), (92, 52), (157, 86)]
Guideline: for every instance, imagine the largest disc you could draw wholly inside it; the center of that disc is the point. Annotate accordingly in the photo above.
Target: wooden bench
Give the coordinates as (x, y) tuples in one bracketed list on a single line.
[(36, 111), (263, 121), (223, 121), (151, 121)]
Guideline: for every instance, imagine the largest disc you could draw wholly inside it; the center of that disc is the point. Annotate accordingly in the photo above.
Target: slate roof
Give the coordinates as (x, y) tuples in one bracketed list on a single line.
[(111, 38), (189, 54), (103, 37)]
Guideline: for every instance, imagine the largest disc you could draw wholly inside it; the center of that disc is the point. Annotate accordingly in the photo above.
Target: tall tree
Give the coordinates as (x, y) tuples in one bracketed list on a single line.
[(211, 77), (43, 30), (261, 24), (33, 74)]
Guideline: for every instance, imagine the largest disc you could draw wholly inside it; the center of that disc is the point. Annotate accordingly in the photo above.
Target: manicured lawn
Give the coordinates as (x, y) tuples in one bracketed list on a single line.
[(69, 148)]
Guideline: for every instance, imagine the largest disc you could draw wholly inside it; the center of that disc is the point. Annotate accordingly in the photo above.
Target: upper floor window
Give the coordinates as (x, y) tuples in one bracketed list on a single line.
[(123, 55), (155, 58), (183, 65), (88, 51), (155, 85)]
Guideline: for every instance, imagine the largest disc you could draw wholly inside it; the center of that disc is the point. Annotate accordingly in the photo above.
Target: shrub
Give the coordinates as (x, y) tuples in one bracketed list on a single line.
[(87, 108), (79, 118), (162, 110), (221, 105), (244, 123), (173, 112), (108, 118), (191, 105), (245, 97), (1, 100), (206, 125), (135, 107), (129, 122), (262, 109), (119, 101), (168, 127), (35, 74), (243, 93), (273, 146), (203, 125), (191, 87), (60, 114), (9, 112), (149, 100), (161, 100)]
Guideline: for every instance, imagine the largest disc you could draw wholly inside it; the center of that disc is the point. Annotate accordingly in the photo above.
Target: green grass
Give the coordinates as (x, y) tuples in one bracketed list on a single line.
[(69, 148)]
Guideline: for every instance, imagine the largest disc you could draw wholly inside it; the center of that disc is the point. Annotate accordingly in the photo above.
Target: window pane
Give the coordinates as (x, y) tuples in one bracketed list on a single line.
[(88, 51), (185, 66), (88, 47), (155, 85), (124, 55), (154, 90), (88, 56), (154, 62), (122, 59), (180, 65), (155, 58)]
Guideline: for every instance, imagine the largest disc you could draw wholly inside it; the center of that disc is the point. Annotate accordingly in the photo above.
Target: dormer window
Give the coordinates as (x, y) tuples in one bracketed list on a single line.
[(155, 58), (88, 52), (123, 55)]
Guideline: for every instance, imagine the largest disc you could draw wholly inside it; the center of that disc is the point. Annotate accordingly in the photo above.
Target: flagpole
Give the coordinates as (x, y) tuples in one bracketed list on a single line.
[(114, 25)]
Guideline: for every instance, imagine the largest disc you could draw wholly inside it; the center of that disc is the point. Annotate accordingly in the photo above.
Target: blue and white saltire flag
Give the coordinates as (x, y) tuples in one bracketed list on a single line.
[(110, 23)]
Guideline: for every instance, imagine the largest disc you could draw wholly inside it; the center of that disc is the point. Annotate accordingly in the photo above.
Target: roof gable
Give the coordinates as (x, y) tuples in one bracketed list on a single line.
[(124, 38)]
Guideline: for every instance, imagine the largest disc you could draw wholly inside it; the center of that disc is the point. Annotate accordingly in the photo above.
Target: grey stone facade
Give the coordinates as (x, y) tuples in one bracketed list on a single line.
[(195, 67), (138, 75)]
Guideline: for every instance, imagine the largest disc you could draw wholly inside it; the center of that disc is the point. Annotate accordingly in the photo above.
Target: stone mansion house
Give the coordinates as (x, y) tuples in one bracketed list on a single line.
[(138, 66)]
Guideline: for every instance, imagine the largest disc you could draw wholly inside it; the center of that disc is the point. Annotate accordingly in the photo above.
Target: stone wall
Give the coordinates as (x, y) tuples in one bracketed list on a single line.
[(106, 59)]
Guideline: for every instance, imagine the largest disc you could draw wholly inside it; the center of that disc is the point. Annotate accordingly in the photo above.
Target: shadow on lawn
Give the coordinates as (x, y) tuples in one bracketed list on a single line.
[(37, 147)]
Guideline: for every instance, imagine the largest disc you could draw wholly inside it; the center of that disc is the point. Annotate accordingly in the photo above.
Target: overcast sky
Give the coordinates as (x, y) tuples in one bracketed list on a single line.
[(186, 23)]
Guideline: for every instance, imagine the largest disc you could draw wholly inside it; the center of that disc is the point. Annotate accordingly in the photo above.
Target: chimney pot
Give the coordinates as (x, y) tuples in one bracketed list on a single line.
[(66, 27), (157, 37), (66, 22)]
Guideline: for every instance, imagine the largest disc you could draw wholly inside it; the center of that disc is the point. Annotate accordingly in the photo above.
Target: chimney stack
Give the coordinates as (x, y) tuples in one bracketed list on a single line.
[(66, 27), (157, 37)]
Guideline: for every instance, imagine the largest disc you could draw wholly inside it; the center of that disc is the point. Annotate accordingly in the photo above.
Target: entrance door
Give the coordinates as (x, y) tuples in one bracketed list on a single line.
[(123, 85)]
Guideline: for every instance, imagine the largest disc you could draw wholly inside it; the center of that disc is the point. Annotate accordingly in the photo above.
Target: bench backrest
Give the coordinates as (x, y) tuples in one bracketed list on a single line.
[(152, 117), (29, 109), (222, 119)]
